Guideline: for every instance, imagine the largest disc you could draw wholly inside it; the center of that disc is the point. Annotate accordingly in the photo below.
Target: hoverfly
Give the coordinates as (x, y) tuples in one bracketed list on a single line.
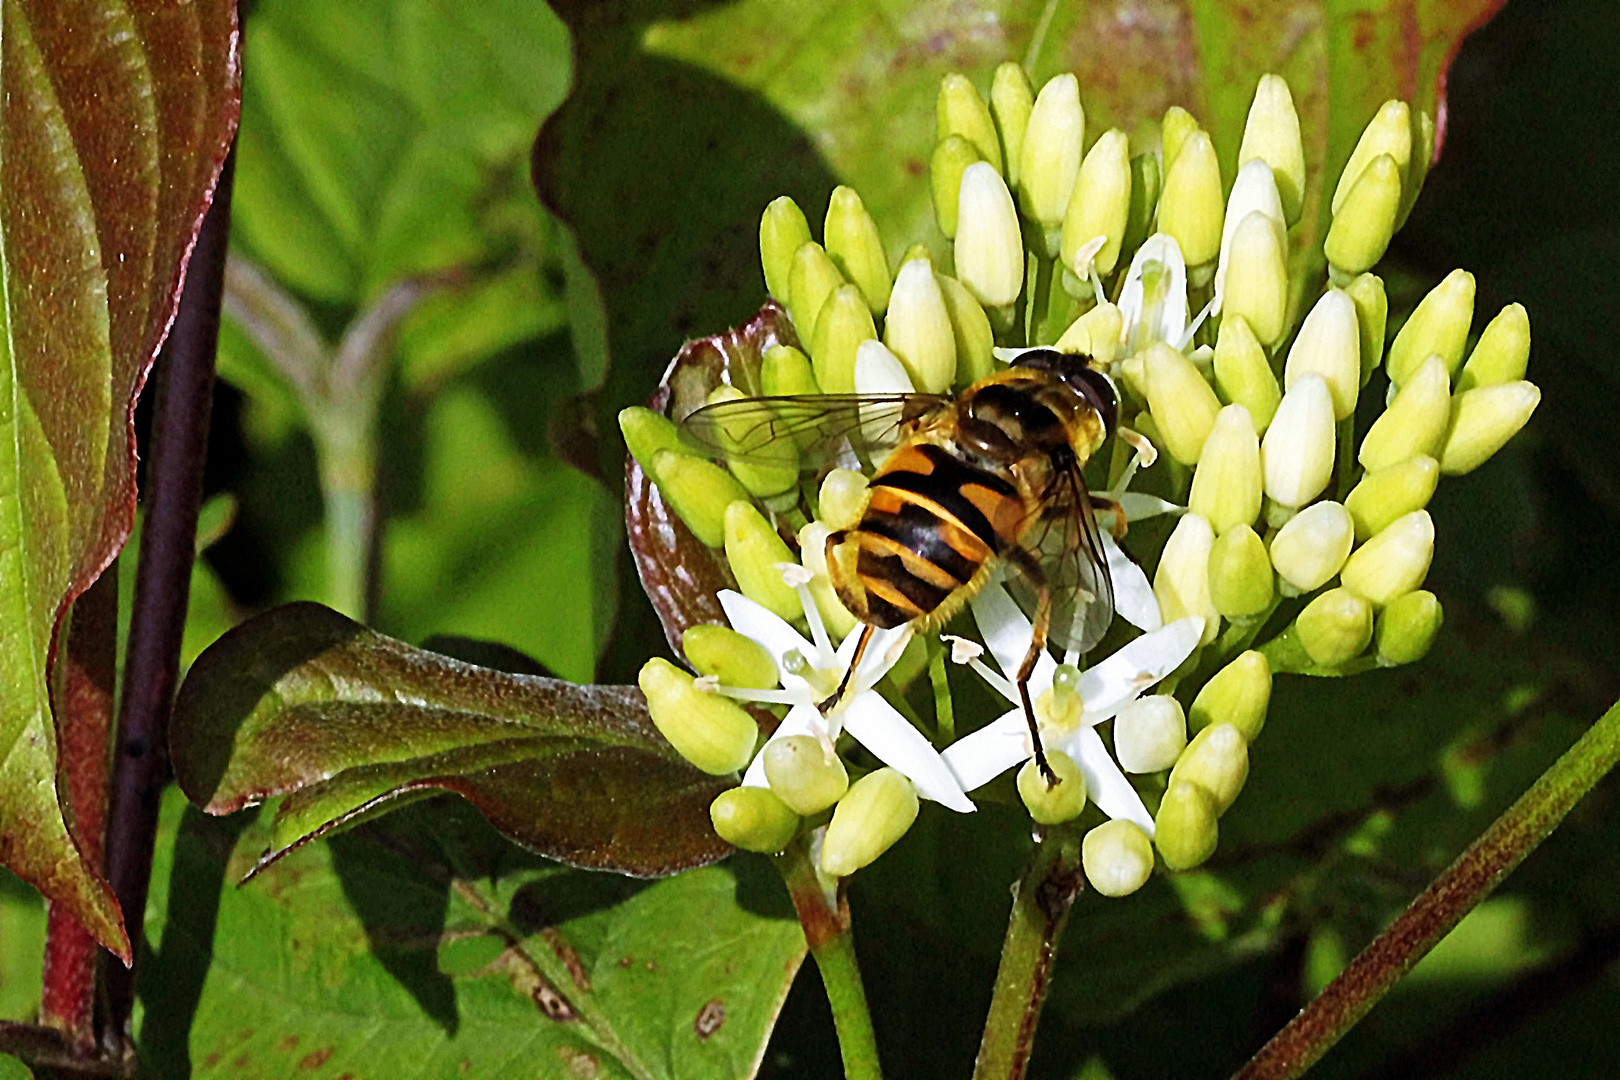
[(964, 483)]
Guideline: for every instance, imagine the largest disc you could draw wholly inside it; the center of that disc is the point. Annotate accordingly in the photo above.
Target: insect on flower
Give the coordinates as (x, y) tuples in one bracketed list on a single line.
[(964, 484)]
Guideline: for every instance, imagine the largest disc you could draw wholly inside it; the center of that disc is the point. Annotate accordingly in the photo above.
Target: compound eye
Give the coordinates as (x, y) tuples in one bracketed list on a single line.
[(1100, 393)]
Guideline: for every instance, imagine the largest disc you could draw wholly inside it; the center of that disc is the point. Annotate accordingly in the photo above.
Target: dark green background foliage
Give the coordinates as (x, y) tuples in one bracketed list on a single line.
[(383, 138)]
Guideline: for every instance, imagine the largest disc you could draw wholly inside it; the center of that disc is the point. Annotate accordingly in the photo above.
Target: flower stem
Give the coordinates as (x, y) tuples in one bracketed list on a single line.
[(1041, 903), (1469, 880), (827, 931), (348, 472), (944, 711)]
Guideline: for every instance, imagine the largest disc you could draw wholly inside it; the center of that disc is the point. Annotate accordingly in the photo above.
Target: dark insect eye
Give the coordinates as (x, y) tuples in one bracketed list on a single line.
[(1100, 393)]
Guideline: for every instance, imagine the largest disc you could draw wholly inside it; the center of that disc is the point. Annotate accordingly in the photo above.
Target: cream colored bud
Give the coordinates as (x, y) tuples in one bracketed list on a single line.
[(1178, 125), (1407, 627), (1253, 192), (1243, 375), (869, 819), (1181, 583), (753, 819), (1217, 760), (1328, 344), (1392, 492), (1503, 352), (879, 371), (811, 280), (1149, 734), (699, 491), (1239, 694), (1438, 326), (843, 498), (1388, 133), (754, 550), (1192, 209), (1414, 425), (959, 110), (804, 773), (975, 341), (1335, 627), (989, 245), (761, 478), (786, 371), (1240, 584), (1057, 803), (845, 321), (1372, 317), (710, 731), (1011, 101), (1227, 483), (1271, 134), (1394, 562), (856, 247), (1254, 286), (1362, 227), (1050, 155), (918, 328), (1184, 406), (1095, 334), (1117, 857), (952, 156), (729, 656), (1313, 545), (1186, 831), (813, 556), (782, 231), (1297, 452), (1100, 205), (1483, 420)]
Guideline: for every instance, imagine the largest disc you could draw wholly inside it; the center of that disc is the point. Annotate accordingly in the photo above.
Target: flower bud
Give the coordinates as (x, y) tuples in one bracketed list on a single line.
[(1240, 583), (1414, 425), (959, 110), (1217, 760), (1191, 208), (753, 819), (1361, 228), (811, 280), (879, 371), (951, 158), (1503, 351), (876, 812), (813, 556), (1406, 628), (1238, 694), (843, 498), (1335, 627), (760, 478), (1059, 803), (785, 370), (1226, 485), (699, 491), (845, 321), (804, 773), (1253, 282), (1146, 183), (731, 657), (1150, 734), (918, 328), (1297, 452), (1183, 405), (856, 247), (1181, 583), (1117, 857), (1313, 545), (1153, 298), (1438, 325), (1391, 492), (647, 432), (1186, 830), (1395, 561), (1271, 134), (1482, 421), (1100, 205), (975, 341), (710, 731), (1095, 334), (1389, 132), (1243, 375), (1328, 345), (1254, 191), (1012, 99), (1366, 291), (989, 246), (754, 550), (1416, 172), (782, 231), (1050, 155), (1178, 124)]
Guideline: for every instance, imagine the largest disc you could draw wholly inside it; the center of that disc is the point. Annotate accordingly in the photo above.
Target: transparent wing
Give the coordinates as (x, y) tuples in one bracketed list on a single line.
[(810, 429), (1069, 548)]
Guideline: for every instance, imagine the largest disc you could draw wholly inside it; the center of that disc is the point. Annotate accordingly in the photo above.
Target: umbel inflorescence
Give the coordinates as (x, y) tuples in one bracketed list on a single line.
[(1294, 548)]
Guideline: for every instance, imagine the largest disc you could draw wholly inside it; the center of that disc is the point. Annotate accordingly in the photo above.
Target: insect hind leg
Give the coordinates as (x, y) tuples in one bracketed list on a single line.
[(825, 705), (1030, 568)]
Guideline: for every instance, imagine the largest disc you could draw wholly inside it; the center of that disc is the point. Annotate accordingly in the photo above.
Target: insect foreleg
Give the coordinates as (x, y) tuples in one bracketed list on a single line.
[(1030, 567), (825, 706)]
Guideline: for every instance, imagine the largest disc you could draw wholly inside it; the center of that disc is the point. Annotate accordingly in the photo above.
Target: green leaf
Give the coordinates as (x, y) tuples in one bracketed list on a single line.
[(305, 703), (12, 1069), (22, 929), (424, 946), (116, 120)]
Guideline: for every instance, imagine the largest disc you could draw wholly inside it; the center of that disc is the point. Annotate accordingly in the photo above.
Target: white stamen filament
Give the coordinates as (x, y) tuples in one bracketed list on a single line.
[(1006, 688)]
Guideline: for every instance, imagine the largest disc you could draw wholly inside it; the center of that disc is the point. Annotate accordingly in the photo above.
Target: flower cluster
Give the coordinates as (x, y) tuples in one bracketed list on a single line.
[(1294, 548)]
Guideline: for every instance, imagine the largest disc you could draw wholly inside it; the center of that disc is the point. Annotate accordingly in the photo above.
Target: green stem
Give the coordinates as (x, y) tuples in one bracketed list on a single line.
[(347, 451), (1469, 880), (827, 931), (1041, 903), (944, 710)]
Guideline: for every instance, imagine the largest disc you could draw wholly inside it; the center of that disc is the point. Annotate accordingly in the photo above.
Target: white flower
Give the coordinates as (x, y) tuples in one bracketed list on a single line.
[(1153, 299), (1104, 689)]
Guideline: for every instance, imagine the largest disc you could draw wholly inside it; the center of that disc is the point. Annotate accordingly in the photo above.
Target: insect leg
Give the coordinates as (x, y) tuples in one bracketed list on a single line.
[(1030, 567), (1104, 505), (825, 706)]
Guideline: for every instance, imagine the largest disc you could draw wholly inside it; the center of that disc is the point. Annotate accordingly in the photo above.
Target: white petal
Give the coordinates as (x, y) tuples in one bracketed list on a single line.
[(1163, 316), (751, 620), (876, 725), (1105, 784), (876, 661), (1138, 505), (980, 757), (1007, 634), (800, 720), (1133, 593), (1137, 666)]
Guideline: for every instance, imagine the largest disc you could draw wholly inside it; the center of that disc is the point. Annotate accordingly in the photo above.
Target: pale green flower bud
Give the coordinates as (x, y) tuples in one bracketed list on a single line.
[(761, 479), (805, 773), (1271, 134), (1146, 184), (1149, 734), (1239, 573), (1328, 344), (1186, 830), (1181, 583), (1406, 628), (1178, 125), (1483, 420), (1388, 133), (845, 321), (1313, 545), (1372, 317), (989, 246), (811, 280), (1243, 375), (782, 231), (1422, 156), (1395, 561), (699, 491), (1059, 803), (754, 551), (1391, 492), (918, 328), (1503, 352), (731, 657), (959, 110), (1192, 208), (1439, 325), (1184, 406), (714, 733), (785, 370), (952, 156), (1335, 627), (1226, 486), (1012, 99), (856, 247), (647, 432), (1050, 155), (1362, 227), (975, 341), (1414, 425), (1100, 205), (1095, 334), (1217, 760), (753, 819), (1238, 694), (1255, 285), (1117, 857), (843, 499), (1254, 191), (1297, 452), (876, 812)]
